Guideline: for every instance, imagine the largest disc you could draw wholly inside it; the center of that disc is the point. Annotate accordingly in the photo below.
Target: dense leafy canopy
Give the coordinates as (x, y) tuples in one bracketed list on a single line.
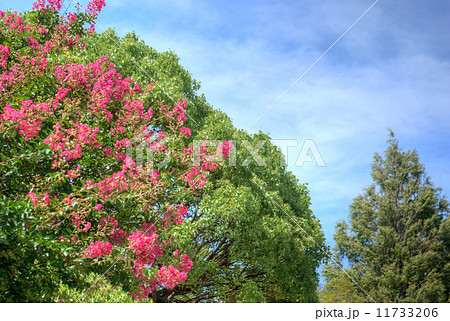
[(244, 247), (398, 240), (76, 209)]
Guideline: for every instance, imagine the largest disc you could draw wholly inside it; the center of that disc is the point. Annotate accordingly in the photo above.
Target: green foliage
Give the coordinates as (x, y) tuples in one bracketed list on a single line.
[(28, 261), (32, 263), (339, 287), (244, 247), (97, 289), (397, 242), (239, 233), (55, 163)]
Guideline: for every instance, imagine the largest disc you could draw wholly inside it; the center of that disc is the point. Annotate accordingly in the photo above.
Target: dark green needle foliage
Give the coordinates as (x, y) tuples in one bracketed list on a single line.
[(397, 241)]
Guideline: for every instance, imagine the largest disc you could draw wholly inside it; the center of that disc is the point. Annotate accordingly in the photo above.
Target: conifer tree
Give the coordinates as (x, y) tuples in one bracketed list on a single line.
[(397, 241)]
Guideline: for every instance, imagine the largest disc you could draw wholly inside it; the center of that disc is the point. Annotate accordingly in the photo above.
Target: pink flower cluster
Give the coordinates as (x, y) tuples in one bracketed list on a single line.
[(71, 153), (71, 174), (158, 148), (72, 17), (107, 151), (174, 215), (170, 276), (62, 93), (109, 221), (85, 134), (46, 199), (208, 166), (39, 63), (191, 177), (14, 22), (136, 108), (94, 7), (98, 207), (179, 110), (5, 51), (225, 148), (55, 5), (118, 236), (33, 198), (28, 117), (185, 263), (75, 217), (82, 134), (77, 75), (185, 131), (98, 249), (146, 248), (9, 78), (58, 141), (104, 86), (118, 182)]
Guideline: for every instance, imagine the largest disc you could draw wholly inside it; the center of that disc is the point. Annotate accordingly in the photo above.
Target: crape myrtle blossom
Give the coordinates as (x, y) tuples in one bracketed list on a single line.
[(185, 131), (225, 148), (55, 5), (98, 249), (82, 119)]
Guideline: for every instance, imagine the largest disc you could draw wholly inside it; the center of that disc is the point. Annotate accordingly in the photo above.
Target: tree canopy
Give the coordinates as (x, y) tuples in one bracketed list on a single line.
[(77, 208), (397, 240)]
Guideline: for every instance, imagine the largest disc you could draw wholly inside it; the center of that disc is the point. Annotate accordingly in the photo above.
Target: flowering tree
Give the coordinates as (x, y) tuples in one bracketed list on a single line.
[(74, 198), (244, 246)]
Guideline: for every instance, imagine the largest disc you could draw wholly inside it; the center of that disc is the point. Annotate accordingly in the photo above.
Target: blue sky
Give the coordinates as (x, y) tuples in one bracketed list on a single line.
[(391, 70)]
